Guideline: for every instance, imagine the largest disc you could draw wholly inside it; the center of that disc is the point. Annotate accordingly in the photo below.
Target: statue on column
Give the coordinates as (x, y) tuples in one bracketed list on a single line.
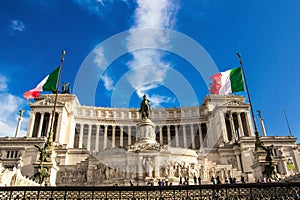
[(145, 108)]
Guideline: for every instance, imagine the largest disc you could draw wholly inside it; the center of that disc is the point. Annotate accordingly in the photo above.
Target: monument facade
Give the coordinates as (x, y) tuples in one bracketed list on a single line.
[(108, 146)]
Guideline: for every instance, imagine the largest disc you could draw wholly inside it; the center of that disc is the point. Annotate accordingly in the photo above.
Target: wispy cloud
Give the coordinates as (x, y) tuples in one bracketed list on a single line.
[(96, 7), (9, 112), (3, 83), (157, 100), (108, 82), (148, 69), (16, 26), (101, 63), (99, 58)]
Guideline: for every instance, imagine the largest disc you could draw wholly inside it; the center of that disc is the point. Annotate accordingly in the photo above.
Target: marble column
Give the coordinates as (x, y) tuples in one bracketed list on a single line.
[(232, 127), (169, 134), (176, 136), (238, 160), (129, 135), (31, 124), (184, 136), (88, 146), (192, 136), (200, 135), (81, 135), (57, 129), (105, 137), (161, 141), (121, 136), (223, 125), (113, 142), (249, 124), (40, 125), (241, 131), (97, 137), (49, 124)]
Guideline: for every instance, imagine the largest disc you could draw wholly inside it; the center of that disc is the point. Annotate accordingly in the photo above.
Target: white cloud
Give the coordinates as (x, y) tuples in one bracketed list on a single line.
[(148, 69), (100, 60), (9, 112), (3, 84), (16, 26), (108, 82), (157, 100)]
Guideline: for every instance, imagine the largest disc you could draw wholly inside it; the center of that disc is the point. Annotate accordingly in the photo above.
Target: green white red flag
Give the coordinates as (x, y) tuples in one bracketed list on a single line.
[(227, 82), (49, 83)]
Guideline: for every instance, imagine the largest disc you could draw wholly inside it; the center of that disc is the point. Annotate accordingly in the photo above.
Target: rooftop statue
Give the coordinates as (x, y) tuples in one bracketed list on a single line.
[(145, 109)]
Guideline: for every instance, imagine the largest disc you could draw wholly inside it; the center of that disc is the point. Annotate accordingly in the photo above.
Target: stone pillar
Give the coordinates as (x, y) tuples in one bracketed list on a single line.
[(129, 135), (232, 127), (121, 136), (97, 137), (58, 127), (105, 137), (184, 136), (88, 147), (81, 135), (200, 135), (41, 125), (263, 129), (176, 136), (192, 136), (49, 124), (239, 166), (241, 131), (169, 134), (223, 125), (161, 141), (31, 124), (249, 124), (113, 142)]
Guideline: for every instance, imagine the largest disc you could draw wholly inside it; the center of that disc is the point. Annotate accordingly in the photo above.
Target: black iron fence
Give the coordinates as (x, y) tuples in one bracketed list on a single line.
[(251, 191)]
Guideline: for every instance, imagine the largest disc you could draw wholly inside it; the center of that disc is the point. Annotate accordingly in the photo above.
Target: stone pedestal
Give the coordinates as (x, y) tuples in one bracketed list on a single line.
[(146, 132), (260, 165)]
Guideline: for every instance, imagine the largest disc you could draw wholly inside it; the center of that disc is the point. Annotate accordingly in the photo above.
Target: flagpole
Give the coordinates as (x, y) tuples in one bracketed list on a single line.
[(287, 122), (51, 133), (258, 141)]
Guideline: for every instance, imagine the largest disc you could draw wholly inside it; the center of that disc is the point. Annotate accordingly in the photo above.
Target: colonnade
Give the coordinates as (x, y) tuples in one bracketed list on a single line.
[(235, 125), (99, 137), (40, 124)]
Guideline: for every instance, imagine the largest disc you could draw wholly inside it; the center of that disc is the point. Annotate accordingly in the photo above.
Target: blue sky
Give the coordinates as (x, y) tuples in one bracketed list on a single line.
[(266, 33)]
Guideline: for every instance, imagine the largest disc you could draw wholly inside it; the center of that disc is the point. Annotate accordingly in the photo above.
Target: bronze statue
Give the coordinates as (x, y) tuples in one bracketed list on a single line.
[(269, 171), (42, 150), (65, 88), (145, 108), (269, 151)]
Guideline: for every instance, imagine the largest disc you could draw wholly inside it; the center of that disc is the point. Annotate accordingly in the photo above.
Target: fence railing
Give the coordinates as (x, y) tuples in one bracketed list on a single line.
[(204, 192)]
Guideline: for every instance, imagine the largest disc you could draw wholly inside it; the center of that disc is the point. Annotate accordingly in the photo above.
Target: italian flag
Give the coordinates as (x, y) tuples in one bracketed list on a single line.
[(49, 83), (227, 82)]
